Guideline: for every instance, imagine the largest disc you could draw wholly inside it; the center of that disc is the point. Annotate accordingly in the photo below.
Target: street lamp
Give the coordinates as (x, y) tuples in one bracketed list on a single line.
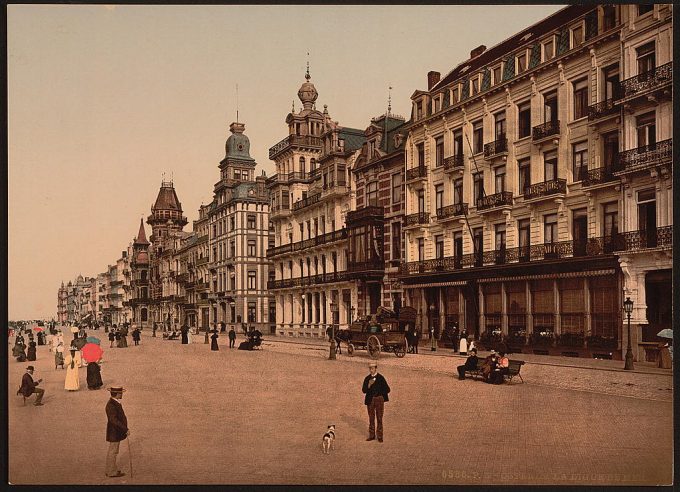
[(628, 308), (334, 310), (351, 311)]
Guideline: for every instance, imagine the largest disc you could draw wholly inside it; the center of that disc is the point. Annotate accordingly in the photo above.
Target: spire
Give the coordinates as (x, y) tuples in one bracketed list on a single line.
[(389, 102), (307, 76), (141, 235)]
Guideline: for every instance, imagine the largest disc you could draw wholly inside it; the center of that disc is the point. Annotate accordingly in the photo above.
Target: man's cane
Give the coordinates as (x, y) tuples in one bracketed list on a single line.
[(129, 456)]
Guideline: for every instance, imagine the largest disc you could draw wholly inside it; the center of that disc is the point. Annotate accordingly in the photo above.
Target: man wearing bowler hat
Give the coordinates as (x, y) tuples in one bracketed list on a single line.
[(116, 430), (376, 389), (28, 386)]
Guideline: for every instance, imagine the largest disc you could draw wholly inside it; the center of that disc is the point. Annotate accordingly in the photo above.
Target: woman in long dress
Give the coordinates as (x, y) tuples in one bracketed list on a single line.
[(94, 376), (72, 361), (59, 356), (213, 344), (462, 350), (30, 354)]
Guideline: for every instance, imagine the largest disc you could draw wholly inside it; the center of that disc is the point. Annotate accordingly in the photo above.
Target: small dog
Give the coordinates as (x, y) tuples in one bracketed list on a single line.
[(328, 440)]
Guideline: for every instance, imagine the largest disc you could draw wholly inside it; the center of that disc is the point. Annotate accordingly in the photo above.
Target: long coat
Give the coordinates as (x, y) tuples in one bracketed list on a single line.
[(94, 376), (27, 385), (213, 343), (116, 425), (72, 381)]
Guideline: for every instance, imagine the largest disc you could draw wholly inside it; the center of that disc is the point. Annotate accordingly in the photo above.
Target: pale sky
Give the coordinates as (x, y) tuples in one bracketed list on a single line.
[(103, 100)]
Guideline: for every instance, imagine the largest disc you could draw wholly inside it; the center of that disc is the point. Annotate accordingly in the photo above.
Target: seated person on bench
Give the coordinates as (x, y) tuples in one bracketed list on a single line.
[(501, 369), (470, 364)]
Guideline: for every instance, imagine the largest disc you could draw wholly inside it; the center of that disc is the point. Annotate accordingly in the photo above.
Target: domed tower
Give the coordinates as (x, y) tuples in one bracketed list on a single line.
[(237, 165), (139, 266), (166, 214)]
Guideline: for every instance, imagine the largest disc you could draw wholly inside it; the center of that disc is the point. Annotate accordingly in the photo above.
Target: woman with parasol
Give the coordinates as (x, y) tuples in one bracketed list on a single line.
[(94, 375), (72, 381), (213, 343)]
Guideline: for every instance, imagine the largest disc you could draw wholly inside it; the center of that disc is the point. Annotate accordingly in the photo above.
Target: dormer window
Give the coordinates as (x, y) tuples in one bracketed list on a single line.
[(419, 110), (521, 62), (549, 49), (474, 85), (497, 74), (437, 104), (577, 36), (455, 94)]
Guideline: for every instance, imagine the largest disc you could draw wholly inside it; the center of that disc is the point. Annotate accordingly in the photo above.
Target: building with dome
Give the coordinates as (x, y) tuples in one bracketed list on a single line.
[(311, 195), (237, 226)]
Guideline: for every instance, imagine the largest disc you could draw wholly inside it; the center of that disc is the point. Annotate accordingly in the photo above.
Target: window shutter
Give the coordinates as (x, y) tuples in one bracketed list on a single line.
[(486, 80), (509, 70), (591, 24), (535, 57)]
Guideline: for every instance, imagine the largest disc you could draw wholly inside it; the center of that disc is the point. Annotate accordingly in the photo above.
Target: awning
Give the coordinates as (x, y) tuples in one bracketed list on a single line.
[(591, 273), (456, 283)]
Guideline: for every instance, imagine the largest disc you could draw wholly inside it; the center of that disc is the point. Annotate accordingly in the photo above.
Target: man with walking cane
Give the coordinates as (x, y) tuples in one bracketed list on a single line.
[(116, 431)]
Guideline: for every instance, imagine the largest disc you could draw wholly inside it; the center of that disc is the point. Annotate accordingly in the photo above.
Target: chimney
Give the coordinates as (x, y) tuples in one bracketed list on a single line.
[(432, 79), (477, 51)]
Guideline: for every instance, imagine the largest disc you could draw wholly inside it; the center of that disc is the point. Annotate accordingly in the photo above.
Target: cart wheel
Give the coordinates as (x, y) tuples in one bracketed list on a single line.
[(373, 346), (400, 350)]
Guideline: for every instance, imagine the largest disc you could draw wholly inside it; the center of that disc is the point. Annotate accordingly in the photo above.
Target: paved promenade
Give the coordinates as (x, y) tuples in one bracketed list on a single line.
[(202, 417)]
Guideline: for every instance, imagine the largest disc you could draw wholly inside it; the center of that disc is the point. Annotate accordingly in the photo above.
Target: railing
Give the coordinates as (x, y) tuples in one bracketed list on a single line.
[(454, 162), (651, 238), (182, 277), (602, 109), (202, 285), (366, 266), (546, 188), (310, 200), (592, 177), (452, 210), (286, 178), (321, 278), (327, 238), (279, 206), (545, 130), (364, 212), (416, 173), (595, 246), (647, 155), (495, 200), (417, 218), (646, 81), (304, 140), (496, 147), (202, 261)]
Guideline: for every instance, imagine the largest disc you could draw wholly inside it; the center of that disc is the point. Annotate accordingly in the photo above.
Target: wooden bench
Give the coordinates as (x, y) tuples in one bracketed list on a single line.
[(477, 372), (514, 367)]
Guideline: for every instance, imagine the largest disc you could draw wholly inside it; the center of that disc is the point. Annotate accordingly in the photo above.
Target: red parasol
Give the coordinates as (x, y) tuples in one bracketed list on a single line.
[(38, 328), (92, 352)]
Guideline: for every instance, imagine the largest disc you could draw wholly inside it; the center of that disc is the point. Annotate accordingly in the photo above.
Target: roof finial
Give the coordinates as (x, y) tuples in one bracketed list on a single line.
[(307, 76), (389, 101), (236, 103), (293, 110)]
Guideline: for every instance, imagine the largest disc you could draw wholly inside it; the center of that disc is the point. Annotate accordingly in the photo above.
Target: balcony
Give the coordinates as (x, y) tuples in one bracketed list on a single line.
[(454, 163), (603, 109), (182, 277), (322, 278), (306, 202), (416, 173), (305, 141), (288, 178), (279, 210), (549, 129), (329, 237), (202, 261), (661, 237), (489, 202), (644, 157), (546, 189), (417, 218), (452, 211), (430, 266), (368, 212), (647, 82), (496, 148), (364, 269), (202, 285), (597, 177)]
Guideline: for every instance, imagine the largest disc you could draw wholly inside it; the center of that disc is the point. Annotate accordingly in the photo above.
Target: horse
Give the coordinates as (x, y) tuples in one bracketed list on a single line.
[(340, 336)]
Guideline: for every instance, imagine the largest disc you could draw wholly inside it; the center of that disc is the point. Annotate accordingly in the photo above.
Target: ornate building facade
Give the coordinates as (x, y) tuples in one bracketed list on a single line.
[(514, 196), (311, 195)]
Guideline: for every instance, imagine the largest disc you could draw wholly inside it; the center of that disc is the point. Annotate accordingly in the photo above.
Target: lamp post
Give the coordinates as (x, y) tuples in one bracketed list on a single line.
[(334, 310), (628, 308), (351, 311), (433, 340)]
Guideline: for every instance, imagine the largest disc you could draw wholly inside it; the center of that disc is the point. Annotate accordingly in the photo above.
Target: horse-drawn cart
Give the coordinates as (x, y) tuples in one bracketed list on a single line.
[(382, 332)]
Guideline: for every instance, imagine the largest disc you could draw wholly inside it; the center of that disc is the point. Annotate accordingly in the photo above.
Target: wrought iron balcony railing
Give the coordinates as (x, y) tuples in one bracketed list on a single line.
[(416, 173), (202, 261), (547, 129), (366, 266), (602, 109), (321, 278), (417, 218), (366, 212), (495, 148), (650, 238), (593, 177), (454, 162), (642, 157), (327, 238), (647, 81), (546, 188), (287, 178), (299, 140), (495, 200), (306, 202), (452, 211)]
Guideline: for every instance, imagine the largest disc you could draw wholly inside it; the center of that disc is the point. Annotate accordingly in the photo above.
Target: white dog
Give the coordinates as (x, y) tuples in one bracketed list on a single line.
[(328, 440)]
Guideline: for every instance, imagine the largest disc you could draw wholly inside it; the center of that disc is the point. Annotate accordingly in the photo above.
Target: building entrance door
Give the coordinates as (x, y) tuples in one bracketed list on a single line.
[(580, 233)]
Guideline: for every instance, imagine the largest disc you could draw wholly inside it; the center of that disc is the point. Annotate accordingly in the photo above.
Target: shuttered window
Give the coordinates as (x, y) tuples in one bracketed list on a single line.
[(572, 304), (492, 306), (604, 306), (543, 298)]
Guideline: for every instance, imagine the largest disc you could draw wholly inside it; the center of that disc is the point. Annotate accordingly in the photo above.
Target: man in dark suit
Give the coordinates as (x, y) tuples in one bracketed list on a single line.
[(116, 430), (470, 364), (28, 386), (376, 389)]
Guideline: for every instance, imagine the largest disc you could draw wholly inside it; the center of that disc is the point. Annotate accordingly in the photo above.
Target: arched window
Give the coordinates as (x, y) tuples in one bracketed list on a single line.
[(143, 293), (312, 164), (302, 164)]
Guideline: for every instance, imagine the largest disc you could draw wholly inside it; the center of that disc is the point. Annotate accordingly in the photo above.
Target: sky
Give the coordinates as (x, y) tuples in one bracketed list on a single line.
[(104, 100)]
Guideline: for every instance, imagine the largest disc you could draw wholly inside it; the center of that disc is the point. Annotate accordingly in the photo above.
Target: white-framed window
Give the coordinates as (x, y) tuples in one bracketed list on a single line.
[(252, 280), (474, 85), (497, 74), (396, 188), (436, 103), (439, 151), (455, 94), (579, 159), (580, 98), (520, 62), (577, 35), (478, 136)]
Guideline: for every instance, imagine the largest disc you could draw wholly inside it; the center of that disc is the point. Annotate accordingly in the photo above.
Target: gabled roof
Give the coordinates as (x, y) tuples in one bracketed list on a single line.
[(531, 34)]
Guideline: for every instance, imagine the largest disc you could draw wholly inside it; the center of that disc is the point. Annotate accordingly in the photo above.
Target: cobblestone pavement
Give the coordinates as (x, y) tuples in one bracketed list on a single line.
[(202, 417)]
